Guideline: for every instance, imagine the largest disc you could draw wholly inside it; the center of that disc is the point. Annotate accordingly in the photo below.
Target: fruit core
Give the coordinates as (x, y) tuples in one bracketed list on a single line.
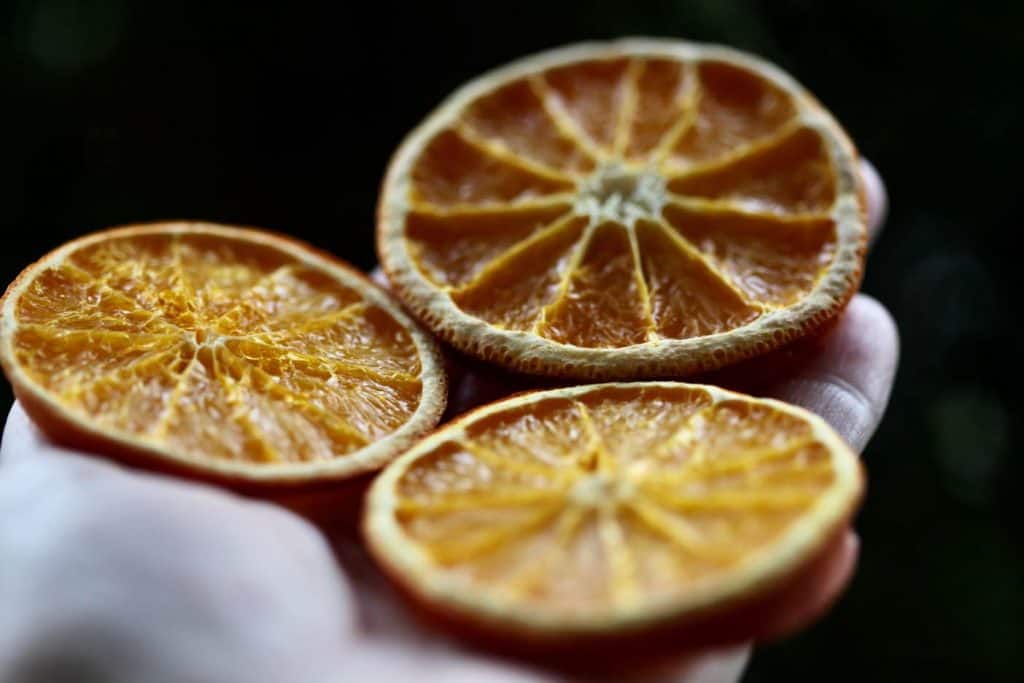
[(600, 490), (621, 195)]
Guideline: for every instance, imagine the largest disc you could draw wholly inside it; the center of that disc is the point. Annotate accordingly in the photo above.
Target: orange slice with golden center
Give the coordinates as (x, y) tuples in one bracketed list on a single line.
[(225, 352), (605, 509), (623, 210)]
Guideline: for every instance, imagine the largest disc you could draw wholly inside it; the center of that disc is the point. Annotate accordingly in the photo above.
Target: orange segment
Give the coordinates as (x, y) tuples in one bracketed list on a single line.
[(207, 412), (738, 426), (360, 334), (539, 437), (791, 174), (665, 94), (220, 352), (570, 540), (634, 424), (461, 473), (606, 509), (451, 170), (177, 275), (515, 117), (51, 350), (373, 402), (284, 298), (124, 378), (604, 303), (660, 564), (591, 93), (734, 108), (669, 164), (771, 261), (527, 276), (70, 298), (688, 298), (451, 249)]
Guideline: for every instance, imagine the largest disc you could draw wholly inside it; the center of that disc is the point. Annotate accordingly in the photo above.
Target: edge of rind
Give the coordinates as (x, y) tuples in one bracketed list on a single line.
[(406, 565), (529, 353), (70, 429)]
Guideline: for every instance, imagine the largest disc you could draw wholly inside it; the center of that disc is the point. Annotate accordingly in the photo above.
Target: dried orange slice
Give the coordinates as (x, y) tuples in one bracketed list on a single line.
[(623, 210), (225, 352), (605, 509)]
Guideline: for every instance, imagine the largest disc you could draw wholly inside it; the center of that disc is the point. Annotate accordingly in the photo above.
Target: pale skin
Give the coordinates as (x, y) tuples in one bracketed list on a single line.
[(110, 574)]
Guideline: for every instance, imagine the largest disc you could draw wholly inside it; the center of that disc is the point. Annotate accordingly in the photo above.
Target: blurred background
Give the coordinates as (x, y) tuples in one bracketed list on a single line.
[(285, 118)]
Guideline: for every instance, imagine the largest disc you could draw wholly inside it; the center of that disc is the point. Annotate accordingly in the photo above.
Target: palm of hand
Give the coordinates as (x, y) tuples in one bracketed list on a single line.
[(115, 575)]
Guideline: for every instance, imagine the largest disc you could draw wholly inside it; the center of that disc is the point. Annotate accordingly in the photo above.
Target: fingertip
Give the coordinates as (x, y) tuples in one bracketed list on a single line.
[(820, 588), (871, 341), (865, 311), (20, 436), (849, 376), (877, 198)]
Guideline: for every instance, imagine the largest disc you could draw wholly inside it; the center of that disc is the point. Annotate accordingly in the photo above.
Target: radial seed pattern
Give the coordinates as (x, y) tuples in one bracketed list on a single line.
[(639, 197), (585, 505), (217, 344)]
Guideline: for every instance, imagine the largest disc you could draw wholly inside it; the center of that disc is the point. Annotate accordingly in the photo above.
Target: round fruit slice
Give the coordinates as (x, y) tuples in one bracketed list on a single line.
[(624, 210), (224, 352), (604, 509)]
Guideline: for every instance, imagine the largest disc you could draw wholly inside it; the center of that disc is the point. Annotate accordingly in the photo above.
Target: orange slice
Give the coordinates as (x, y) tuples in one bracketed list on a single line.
[(225, 352), (624, 210), (608, 509)]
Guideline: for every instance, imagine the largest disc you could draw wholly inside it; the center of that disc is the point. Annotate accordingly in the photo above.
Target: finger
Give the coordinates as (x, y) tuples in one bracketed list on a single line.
[(372, 659), (844, 374), (847, 375), (24, 441), (27, 448), (20, 437), (723, 666), (878, 199), (431, 658), (827, 580), (31, 464)]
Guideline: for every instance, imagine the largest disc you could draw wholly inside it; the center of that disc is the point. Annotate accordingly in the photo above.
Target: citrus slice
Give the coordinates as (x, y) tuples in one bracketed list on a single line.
[(624, 210), (225, 352), (611, 508)]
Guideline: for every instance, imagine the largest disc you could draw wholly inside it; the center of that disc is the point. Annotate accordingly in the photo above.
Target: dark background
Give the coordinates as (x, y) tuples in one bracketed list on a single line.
[(285, 118)]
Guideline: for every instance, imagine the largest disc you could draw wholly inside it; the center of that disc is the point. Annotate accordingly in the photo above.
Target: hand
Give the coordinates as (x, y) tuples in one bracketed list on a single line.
[(116, 575)]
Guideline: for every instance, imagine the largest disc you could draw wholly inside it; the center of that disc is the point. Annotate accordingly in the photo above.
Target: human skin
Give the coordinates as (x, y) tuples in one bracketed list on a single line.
[(111, 574)]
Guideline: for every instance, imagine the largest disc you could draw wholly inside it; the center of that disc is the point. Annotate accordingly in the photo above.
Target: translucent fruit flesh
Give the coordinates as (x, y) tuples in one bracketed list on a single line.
[(217, 346), (580, 507), (719, 211)]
